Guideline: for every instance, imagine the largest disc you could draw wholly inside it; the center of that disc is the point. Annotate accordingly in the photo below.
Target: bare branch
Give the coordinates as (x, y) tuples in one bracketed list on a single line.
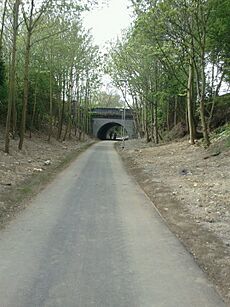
[(48, 36)]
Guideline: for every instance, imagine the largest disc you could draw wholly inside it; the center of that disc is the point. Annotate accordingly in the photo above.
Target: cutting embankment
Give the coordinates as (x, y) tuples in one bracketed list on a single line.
[(189, 186), (25, 173)]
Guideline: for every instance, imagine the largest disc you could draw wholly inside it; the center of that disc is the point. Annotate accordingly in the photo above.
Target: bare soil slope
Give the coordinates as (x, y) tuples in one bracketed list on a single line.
[(24, 173), (190, 187)]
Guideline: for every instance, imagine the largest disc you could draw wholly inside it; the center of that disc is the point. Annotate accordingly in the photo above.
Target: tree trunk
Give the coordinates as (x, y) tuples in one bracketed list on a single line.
[(191, 124), (156, 134), (51, 105), (202, 102), (11, 96), (30, 24), (3, 19), (70, 103), (152, 122), (26, 90), (60, 125), (69, 111), (14, 119), (148, 133), (34, 109), (168, 114), (203, 122), (175, 109), (66, 131)]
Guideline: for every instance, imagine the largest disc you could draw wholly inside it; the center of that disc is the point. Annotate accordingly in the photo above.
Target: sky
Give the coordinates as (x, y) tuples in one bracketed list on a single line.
[(107, 23)]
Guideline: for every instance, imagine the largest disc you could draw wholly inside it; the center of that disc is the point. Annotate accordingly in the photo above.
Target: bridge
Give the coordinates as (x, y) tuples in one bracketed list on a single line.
[(110, 120)]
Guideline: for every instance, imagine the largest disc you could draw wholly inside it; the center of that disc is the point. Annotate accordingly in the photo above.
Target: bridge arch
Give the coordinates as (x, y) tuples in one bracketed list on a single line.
[(103, 131), (101, 126)]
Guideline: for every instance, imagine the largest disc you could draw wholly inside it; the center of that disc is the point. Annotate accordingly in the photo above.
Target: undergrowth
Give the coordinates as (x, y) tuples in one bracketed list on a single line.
[(221, 137)]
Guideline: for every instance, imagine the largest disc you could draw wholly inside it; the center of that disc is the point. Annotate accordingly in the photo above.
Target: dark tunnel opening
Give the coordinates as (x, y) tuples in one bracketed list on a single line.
[(104, 131)]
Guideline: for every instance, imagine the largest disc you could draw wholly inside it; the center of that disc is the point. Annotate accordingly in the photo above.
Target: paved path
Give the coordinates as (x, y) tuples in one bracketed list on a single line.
[(92, 238)]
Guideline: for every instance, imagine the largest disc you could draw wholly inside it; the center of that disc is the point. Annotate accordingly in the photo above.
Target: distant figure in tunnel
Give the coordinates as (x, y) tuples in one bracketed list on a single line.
[(115, 136), (111, 135)]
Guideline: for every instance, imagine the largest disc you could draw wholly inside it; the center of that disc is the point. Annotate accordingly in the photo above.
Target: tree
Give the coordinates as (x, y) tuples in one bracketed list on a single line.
[(108, 100), (31, 21), (53, 52), (176, 35), (11, 95), (2, 62), (3, 23)]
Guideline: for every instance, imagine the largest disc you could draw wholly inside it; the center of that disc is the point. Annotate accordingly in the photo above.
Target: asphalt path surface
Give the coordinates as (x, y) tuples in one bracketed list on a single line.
[(92, 238)]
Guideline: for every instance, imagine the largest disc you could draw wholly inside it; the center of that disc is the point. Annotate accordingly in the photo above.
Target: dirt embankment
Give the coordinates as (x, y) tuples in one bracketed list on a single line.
[(190, 187), (24, 173)]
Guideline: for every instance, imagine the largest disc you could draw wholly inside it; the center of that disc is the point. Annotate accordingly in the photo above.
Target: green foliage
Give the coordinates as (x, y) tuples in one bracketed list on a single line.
[(223, 130), (221, 138), (221, 114), (64, 63), (107, 100), (219, 27), (155, 56)]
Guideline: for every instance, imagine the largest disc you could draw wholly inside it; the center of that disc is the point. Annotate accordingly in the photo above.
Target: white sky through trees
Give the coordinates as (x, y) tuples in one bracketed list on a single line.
[(106, 23)]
